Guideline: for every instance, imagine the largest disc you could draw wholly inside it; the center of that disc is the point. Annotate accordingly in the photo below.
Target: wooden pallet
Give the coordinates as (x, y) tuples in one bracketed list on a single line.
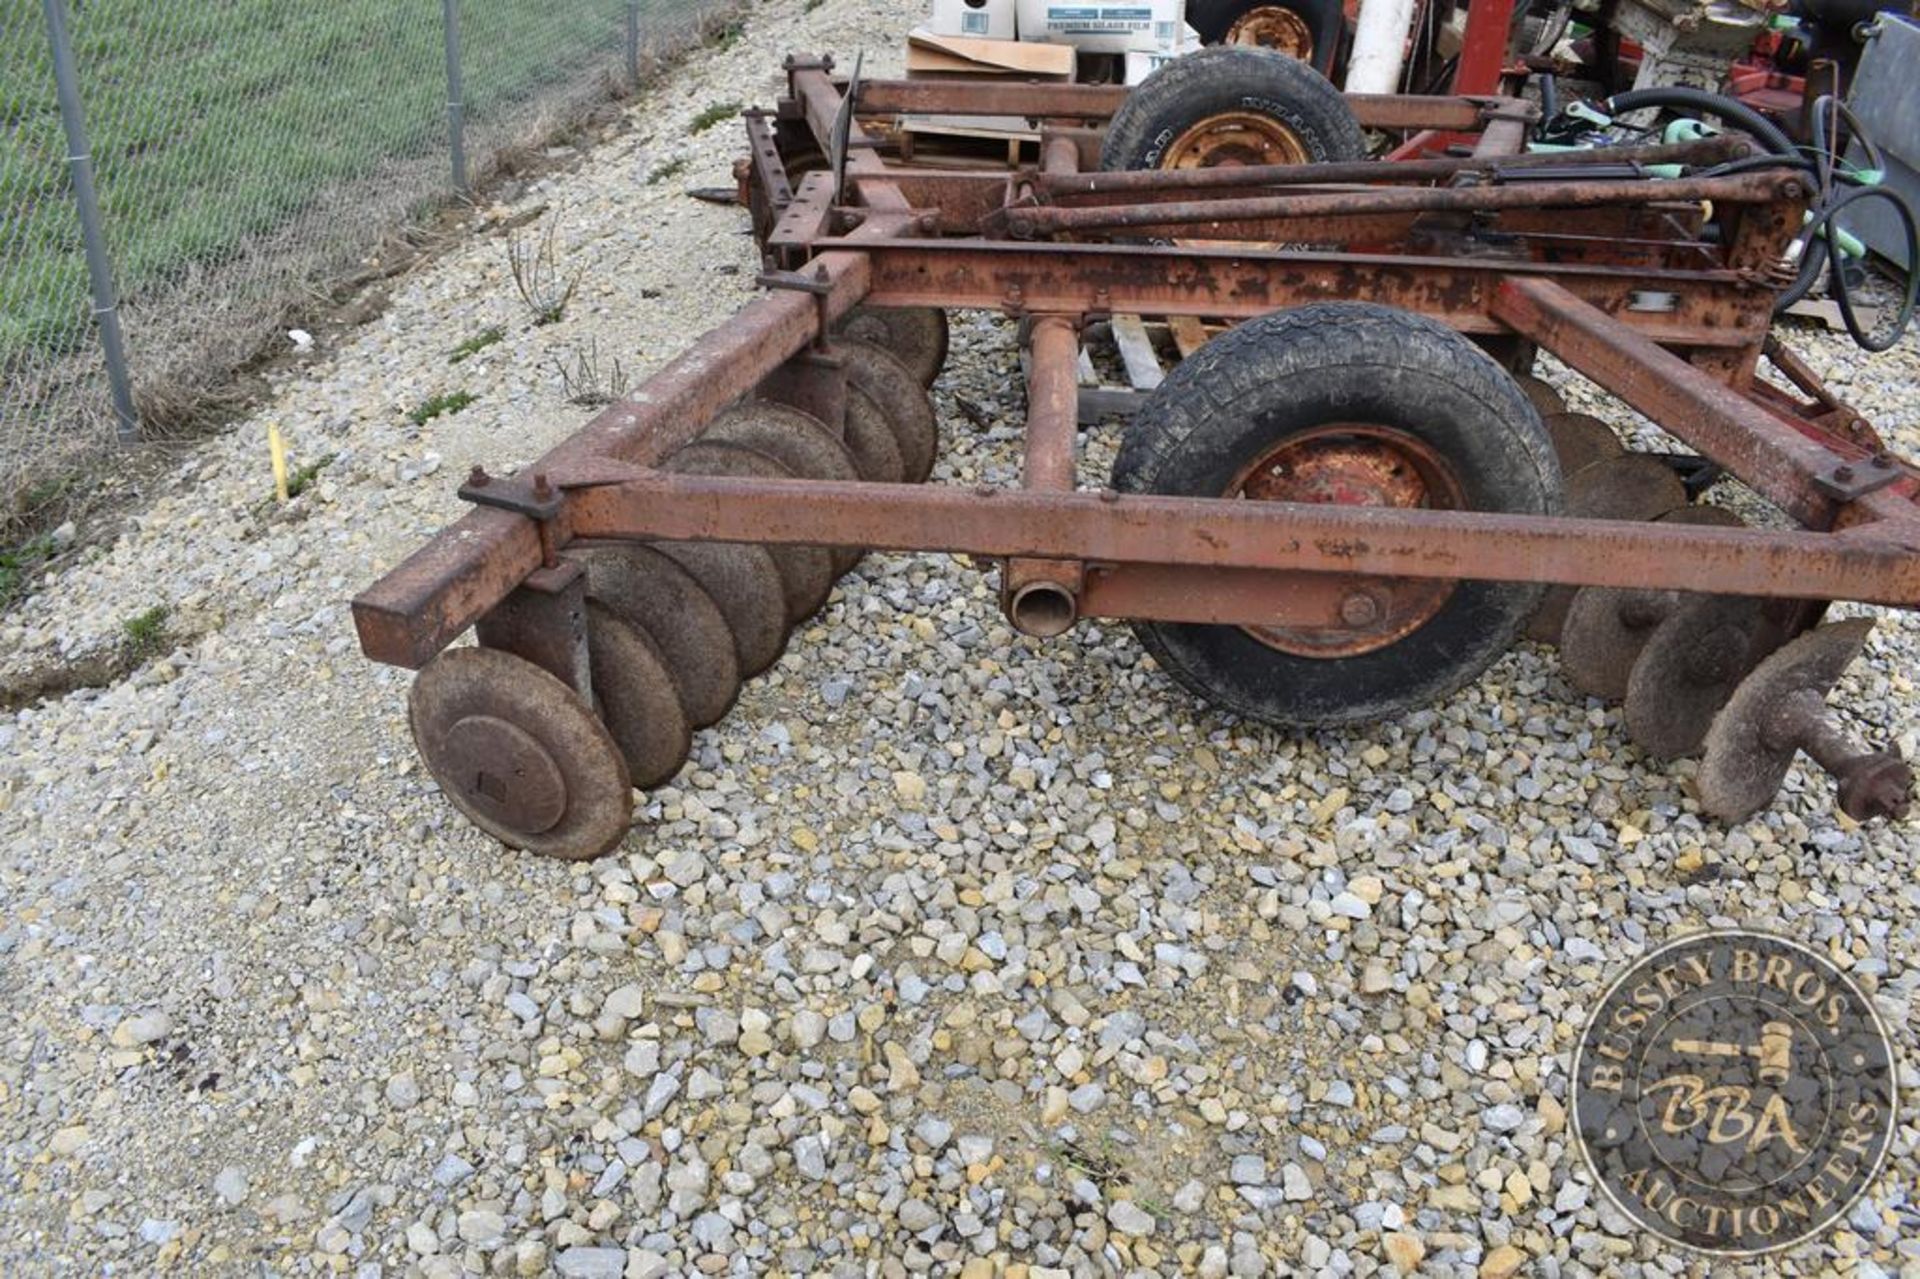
[(1147, 350)]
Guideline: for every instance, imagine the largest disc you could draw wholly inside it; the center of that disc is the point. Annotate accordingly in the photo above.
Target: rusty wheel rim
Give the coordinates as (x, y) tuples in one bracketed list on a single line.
[(1235, 139), (1350, 464), (1271, 27)]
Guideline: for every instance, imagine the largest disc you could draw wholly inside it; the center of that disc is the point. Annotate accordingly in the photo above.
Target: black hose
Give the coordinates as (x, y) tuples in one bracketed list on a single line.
[(1764, 131), (1822, 225)]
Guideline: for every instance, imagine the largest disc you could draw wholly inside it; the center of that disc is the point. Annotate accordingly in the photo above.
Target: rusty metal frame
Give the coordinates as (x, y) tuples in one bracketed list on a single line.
[(1672, 326)]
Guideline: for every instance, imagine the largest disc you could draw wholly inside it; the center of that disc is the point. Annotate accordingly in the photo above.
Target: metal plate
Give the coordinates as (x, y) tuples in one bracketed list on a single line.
[(1546, 400), (798, 441), (636, 698), (916, 336), (1744, 767), (1606, 627), (1580, 440), (519, 754), (806, 572), (743, 581), (653, 592), (1688, 668), (901, 397), (871, 440)]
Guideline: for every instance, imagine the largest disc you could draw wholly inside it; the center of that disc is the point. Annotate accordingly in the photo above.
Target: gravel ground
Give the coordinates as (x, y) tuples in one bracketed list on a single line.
[(950, 952)]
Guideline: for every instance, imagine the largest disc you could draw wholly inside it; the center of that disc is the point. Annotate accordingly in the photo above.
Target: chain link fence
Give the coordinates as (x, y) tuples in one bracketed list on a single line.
[(246, 156)]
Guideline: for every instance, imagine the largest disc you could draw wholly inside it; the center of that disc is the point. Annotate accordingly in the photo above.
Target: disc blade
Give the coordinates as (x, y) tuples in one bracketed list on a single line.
[(1606, 626), (636, 697), (916, 336), (1689, 667), (653, 592), (1580, 440), (798, 441), (901, 398), (743, 581), (1546, 400), (806, 572), (520, 754), (1744, 764), (1629, 487), (870, 439), (1703, 515)]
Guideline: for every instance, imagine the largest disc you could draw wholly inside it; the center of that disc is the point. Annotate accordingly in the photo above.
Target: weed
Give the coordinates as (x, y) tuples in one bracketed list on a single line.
[(586, 383), (539, 277), (18, 564), (1103, 1167), (729, 35), (440, 404), (476, 344), (670, 169), (302, 480), (146, 633), (811, 5), (718, 113)]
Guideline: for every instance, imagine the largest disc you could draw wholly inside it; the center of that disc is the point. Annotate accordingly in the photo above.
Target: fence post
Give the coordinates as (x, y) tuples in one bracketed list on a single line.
[(633, 43), (106, 308), (456, 97)]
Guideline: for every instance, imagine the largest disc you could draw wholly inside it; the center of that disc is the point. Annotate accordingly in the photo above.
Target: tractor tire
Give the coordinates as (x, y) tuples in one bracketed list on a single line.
[(1308, 30), (1232, 105), (1293, 407)]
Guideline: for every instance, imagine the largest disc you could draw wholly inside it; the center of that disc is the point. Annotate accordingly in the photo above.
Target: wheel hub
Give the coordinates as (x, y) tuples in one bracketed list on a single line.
[(504, 773), (1356, 465), (1235, 139), (1271, 27)]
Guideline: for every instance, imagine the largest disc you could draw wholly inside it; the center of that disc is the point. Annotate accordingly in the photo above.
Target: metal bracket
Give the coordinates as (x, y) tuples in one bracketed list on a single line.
[(537, 500), (1850, 481), (545, 621), (819, 284)]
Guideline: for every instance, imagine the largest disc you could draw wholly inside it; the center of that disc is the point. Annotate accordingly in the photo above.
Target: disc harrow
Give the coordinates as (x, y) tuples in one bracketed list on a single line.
[(1339, 508)]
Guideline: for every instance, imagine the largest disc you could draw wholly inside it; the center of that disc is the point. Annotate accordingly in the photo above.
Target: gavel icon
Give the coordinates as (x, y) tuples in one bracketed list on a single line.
[(1774, 1051)]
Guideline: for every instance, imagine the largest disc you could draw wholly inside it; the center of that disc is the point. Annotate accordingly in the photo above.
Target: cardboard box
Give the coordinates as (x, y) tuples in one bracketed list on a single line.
[(1101, 26), (978, 19), (931, 55), (1147, 56)]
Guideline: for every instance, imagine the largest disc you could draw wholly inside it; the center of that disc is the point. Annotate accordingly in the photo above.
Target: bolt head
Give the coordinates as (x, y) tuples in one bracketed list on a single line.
[(1360, 609)]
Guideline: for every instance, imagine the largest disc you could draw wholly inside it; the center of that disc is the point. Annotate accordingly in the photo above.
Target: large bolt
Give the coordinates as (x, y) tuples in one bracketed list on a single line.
[(1359, 609), (1872, 783), (541, 489), (478, 476)]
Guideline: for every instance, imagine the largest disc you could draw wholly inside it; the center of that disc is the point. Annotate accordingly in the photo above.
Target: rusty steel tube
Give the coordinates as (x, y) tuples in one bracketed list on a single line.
[(1053, 101), (1053, 396), (1041, 596), (1706, 151), (1878, 563), (1764, 453), (1750, 188)]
